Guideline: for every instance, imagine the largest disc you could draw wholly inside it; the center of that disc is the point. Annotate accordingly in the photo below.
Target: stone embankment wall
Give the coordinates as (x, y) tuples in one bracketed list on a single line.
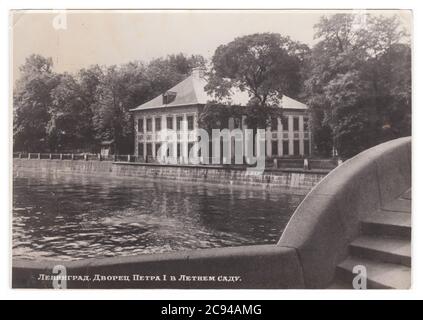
[(296, 181)]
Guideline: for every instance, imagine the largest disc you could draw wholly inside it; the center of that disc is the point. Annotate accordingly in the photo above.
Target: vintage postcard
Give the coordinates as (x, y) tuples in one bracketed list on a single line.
[(211, 149)]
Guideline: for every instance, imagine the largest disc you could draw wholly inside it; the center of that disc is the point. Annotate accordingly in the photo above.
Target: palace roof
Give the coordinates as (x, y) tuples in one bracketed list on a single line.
[(191, 92)]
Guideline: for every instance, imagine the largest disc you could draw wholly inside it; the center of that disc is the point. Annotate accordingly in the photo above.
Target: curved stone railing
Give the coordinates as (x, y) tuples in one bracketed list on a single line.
[(328, 218)]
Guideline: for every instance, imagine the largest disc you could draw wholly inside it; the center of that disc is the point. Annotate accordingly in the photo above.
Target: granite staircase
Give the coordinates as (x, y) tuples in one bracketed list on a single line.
[(383, 248)]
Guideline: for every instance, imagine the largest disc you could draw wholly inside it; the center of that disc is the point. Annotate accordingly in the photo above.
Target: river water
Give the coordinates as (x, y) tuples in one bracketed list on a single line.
[(68, 217)]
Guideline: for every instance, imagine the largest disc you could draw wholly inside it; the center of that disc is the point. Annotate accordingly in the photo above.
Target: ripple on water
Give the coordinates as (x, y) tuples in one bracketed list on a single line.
[(69, 218)]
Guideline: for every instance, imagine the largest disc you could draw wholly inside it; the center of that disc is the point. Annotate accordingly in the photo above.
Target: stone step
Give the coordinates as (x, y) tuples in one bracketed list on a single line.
[(379, 275), (400, 205), (390, 250), (387, 223)]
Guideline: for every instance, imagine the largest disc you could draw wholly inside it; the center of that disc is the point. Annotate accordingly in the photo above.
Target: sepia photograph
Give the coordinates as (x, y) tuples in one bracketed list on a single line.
[(211, 149)]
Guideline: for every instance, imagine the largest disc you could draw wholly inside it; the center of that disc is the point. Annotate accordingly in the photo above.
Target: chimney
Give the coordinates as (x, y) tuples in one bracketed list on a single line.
[(198, 72)]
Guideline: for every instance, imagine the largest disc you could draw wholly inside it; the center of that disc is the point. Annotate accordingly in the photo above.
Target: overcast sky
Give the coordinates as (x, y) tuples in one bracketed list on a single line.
[(114, 37)]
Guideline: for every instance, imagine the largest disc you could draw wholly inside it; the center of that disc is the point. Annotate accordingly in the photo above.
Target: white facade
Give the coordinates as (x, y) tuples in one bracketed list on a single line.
[(151, 126)]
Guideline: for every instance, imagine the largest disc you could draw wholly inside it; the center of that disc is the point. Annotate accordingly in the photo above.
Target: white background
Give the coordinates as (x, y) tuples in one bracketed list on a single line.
[(5, 155)]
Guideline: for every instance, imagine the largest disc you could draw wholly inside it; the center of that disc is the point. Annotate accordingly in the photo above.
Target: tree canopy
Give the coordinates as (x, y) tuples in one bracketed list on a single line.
[(266, 65), (359, 82), (32, 102)]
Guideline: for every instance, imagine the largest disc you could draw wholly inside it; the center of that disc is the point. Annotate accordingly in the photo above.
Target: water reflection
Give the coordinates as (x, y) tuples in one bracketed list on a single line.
[(73, 217)]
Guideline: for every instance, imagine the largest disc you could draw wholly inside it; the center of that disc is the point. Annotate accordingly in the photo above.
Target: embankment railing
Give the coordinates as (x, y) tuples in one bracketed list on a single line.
[(276, 163), (78, 156)]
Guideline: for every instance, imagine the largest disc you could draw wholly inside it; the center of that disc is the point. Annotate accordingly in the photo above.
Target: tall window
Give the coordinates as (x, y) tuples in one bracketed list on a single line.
[(179, 123), (158, 124), (141, 149), (178, 149), (169, 122), (296, 124), (285, 147), (140, 125), (296, 147), (306, 147), (274, 148), (149, 125), (305, 125), (149, 149), (285, 123), (190, 120)]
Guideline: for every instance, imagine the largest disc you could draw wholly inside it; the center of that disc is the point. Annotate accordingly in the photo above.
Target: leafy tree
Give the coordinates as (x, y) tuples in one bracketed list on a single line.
[(111, 119), (89, 81), (164, 73), (359, 83), (390, 78), (31, 104), (259, 64), (265, 65), (70, 127)]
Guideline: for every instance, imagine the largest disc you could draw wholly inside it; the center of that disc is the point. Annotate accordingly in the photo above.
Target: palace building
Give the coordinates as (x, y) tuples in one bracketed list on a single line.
[(179, 108)]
